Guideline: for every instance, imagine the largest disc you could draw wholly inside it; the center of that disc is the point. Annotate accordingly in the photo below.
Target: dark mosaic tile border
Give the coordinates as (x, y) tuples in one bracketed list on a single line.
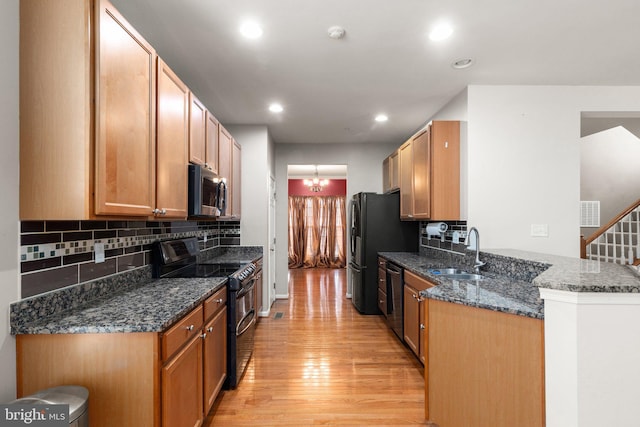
[(57, 254)]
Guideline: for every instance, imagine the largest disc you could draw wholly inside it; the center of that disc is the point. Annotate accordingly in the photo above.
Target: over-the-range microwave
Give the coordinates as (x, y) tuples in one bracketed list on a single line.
[(207, 193)]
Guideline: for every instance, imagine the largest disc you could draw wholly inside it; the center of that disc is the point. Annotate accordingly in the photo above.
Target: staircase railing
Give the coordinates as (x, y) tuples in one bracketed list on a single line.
[(616, 241)]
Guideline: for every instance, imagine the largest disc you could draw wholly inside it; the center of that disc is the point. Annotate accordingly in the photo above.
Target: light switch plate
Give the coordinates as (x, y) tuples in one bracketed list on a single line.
[(540, 230), (99, 251)]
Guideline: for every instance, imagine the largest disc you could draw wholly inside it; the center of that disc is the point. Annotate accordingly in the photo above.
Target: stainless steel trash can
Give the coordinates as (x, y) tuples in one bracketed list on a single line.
[(76, 397)]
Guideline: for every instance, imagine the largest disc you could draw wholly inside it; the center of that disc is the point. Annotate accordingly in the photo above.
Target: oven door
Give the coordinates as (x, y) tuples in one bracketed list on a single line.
[(245, 325)]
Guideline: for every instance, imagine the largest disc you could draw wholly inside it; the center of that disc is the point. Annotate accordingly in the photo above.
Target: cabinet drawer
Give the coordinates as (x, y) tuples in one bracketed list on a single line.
[(382, 302), (179, 333), (382, 280), (215, 302)]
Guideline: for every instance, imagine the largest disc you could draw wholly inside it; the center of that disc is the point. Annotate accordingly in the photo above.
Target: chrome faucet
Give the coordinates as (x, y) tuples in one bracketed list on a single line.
[(475, 244)]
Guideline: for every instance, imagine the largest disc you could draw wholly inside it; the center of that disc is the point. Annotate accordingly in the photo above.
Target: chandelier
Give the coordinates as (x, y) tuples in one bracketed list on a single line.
[(316, 184)]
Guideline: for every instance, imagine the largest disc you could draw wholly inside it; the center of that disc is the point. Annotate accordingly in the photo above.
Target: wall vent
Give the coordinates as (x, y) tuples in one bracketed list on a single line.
[(589, 213)]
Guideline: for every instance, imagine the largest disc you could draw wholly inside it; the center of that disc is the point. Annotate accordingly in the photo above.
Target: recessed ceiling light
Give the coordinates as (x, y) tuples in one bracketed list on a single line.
[(251, 30), (462, 63), (381, 118), (276, 108), (440, 32), (336, 32)]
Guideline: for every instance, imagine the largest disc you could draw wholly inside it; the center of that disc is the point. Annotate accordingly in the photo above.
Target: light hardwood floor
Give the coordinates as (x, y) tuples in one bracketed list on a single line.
[(322, 363)]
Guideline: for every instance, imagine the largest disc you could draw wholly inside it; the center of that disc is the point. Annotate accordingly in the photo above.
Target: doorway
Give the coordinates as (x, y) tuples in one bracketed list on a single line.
[(317, 226)]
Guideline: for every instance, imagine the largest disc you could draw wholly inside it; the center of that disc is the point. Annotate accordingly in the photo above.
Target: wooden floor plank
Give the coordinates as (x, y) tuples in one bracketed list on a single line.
[(323, 363)]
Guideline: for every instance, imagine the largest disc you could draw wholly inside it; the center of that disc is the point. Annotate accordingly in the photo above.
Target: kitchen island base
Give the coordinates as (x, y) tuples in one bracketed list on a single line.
[(485, 368)]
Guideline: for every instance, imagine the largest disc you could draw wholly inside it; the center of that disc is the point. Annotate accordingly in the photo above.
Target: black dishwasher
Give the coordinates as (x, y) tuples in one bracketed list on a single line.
[(395, 282)]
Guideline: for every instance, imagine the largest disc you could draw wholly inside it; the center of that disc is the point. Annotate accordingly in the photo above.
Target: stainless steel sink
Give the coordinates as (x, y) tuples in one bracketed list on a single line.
[(447, 271), (456, 274), (464, 276)]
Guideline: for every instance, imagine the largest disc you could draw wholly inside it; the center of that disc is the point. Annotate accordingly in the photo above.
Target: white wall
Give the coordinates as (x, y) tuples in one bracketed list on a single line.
[(364, 173), (608, 172), (9, 178), (257, 153), (524, 161)]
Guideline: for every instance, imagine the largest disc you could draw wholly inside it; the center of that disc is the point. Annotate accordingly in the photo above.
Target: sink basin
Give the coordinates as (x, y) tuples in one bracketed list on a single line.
[(447, 271), (464, 276)]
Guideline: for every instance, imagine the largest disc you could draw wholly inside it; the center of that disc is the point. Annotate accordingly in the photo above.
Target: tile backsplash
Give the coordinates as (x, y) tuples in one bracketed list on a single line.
[(56, 254), (446, 243)]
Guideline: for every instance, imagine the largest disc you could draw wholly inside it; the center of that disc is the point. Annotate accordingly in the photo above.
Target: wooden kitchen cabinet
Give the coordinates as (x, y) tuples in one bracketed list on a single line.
[(214, 360), (172, 144), (390, 173), (485, 368), (125, 144), (236, 181), (430, 173), (197, 130), (382, 286), (414, 308), (182, 386), (211, 143), (140, 378), (87, 113)]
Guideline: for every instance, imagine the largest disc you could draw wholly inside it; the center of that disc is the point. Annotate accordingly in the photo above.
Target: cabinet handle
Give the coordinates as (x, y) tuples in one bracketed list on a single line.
[(203, 336), (219, 300), (156, 211), (163, 211), (190, 328), (422, 326), (210, 329)]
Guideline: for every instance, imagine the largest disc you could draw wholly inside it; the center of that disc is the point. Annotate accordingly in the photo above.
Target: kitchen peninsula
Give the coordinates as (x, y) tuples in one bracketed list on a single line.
[(494, 347)]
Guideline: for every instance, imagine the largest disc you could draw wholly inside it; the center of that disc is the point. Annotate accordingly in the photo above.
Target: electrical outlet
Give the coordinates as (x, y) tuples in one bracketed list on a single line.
[(99, 251), (540, 230)]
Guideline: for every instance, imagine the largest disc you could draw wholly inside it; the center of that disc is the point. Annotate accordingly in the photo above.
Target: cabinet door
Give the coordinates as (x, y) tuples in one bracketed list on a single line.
[(405, 153), (211, 142), (215, 357), (197, 130), (421, 176), (424, 331), (182, 387), (394, 170), (125, 118), (172, 143), (412, 319), (224, 154), (445, 170), (236, 182), (386, 176)]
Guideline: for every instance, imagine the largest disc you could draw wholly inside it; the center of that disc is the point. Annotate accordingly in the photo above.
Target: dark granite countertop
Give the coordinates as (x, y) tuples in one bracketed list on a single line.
[(495, 292), (128, 302), (148, 308)]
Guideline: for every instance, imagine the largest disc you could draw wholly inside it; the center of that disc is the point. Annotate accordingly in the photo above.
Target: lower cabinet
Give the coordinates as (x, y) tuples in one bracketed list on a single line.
[(414, 312), (167, 379), (382, 286), (182, 387)]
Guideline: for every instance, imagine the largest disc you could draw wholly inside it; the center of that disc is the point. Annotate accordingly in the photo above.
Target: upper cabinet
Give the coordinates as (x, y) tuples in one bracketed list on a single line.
[(87, 140), (391, 173), (430, 173), (197, 130), (125, 118), (236, 170), (172, 143), (211, 143)]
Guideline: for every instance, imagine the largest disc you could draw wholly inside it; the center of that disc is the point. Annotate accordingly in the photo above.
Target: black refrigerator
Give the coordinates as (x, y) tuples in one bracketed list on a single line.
[(375, 227)]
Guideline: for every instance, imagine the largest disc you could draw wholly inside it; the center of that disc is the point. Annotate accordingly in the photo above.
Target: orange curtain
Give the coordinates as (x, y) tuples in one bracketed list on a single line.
[(317, 231)]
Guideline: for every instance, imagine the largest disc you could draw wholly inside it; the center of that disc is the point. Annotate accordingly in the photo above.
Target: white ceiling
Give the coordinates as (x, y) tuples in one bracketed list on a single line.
[(331, 89)]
